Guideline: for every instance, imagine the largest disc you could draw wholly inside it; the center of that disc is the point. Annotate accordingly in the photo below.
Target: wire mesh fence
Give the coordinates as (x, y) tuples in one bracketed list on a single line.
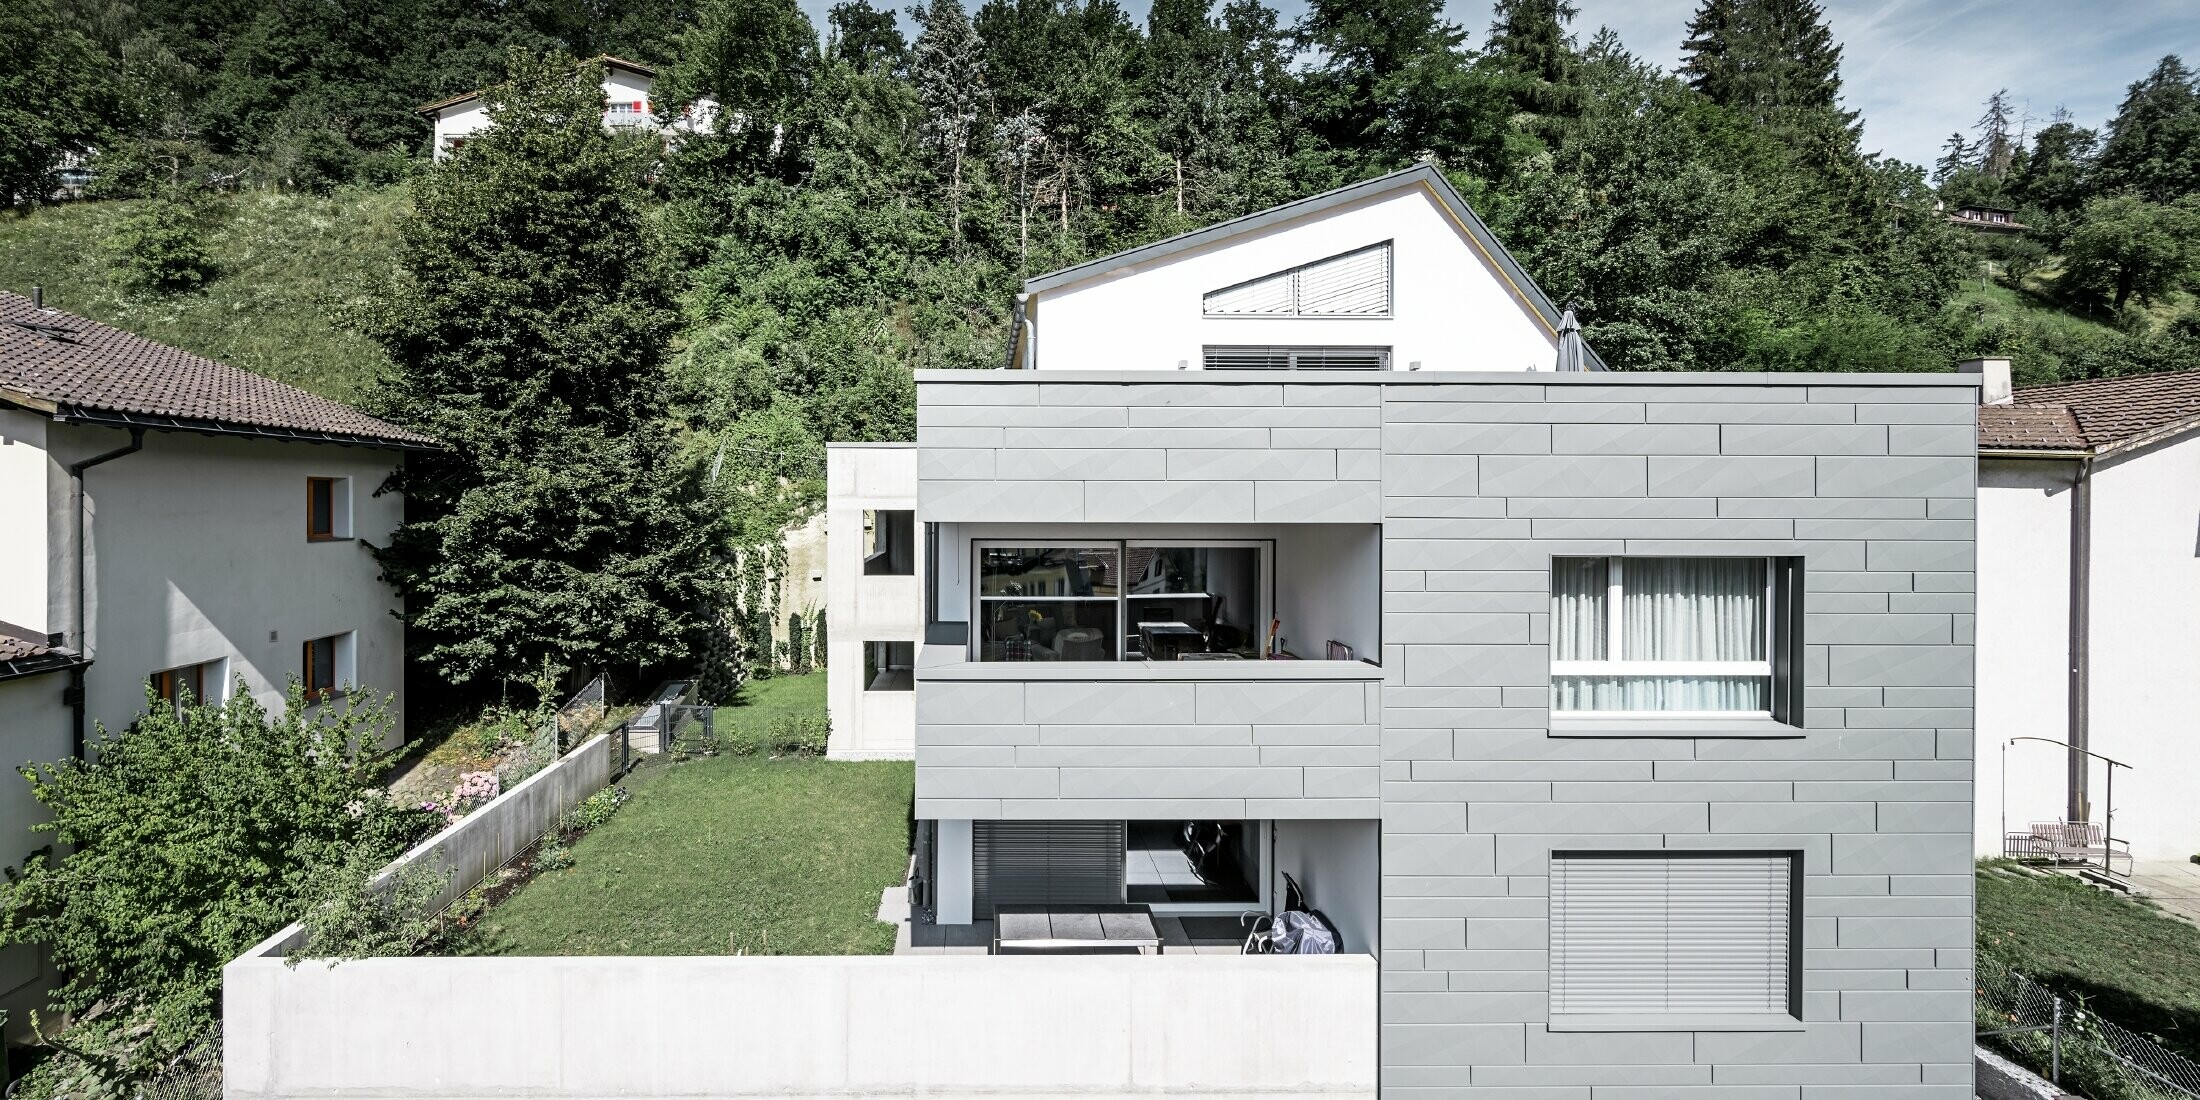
[(2058, 1038), (196, 1074)]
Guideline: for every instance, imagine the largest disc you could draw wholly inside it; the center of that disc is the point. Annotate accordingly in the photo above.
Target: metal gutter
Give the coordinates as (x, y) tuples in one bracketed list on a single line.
[(81, 634)]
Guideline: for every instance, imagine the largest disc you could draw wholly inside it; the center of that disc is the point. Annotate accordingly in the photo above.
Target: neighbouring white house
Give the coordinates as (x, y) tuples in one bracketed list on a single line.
[(627, 105), (174, 524), (2088, 586), (1397, 275), (874, 601)]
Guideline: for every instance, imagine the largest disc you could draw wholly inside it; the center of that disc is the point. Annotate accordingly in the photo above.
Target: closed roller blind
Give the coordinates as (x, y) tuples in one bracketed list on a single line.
[(1215, 357), (1657, 934), (1271, 294), (1356, 284), (1043, 862)]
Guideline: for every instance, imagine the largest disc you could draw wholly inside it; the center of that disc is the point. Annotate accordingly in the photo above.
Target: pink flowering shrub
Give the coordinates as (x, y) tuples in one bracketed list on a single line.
[(474, 790)]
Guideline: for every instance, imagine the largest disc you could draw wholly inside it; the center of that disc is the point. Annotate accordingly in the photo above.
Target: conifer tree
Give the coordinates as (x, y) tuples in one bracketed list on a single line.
[(947, 65), (1765, 58), (1534, 61), (529, 338), (2153, 143), (1997, 145)]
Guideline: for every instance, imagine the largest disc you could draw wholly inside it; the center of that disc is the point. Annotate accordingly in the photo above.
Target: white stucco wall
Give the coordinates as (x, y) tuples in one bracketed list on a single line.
[(2146, 642), (25, 551), (859, 608), (198, 552), (34, 728), (2023, 642), (1092, 1027), (1451, 308)]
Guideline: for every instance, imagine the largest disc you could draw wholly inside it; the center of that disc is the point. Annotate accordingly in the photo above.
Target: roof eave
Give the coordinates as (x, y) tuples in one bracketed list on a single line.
[(116, 418), (608, 60), (41, 664)]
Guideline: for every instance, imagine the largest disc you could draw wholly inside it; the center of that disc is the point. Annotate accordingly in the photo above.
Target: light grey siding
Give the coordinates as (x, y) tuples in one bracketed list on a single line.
[(1875, 794), (1478, 481), (1092, 749)]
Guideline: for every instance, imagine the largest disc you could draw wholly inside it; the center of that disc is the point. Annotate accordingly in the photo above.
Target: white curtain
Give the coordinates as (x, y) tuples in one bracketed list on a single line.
[(1693, 609), (1578, 598), (1658, 693)]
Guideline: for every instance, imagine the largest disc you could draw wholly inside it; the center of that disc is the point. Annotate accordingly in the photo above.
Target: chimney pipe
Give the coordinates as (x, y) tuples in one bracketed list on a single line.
[(1994, 372), (38, 297)]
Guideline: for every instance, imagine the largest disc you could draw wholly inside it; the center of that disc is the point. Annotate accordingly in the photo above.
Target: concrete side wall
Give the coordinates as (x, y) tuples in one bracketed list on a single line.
[(2146, 598), (1339, 865), (1872, 487), (491, 836), (860, 608), (1054, 749), (2023, 644), (1088, 1027), (1451, 309), (198, 553)]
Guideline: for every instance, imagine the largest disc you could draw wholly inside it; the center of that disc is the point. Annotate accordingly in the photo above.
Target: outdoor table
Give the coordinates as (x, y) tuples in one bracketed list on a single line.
[(1071, 926)]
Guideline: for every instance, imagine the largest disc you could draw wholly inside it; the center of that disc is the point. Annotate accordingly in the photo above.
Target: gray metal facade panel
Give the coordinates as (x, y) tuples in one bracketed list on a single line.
[(1479, 481)]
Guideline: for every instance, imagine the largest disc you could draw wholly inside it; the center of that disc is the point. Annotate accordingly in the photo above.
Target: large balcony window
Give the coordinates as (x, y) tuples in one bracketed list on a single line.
[(1126, 599)]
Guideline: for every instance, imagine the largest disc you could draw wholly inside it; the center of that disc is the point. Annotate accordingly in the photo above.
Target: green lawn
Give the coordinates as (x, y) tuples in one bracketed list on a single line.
[(2130, 962), (289, 269), (762, 708), (723, 854)]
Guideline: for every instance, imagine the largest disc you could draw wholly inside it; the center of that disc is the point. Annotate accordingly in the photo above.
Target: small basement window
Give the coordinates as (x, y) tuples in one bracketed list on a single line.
[(328, 508), (889, 542), (889, 666), (328, 666)]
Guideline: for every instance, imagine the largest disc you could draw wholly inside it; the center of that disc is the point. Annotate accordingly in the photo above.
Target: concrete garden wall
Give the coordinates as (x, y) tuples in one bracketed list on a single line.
[(1094, 1027)]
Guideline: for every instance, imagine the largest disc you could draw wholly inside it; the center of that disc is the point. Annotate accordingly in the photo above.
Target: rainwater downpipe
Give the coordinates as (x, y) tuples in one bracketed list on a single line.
[(2081, 602), (80, 634)]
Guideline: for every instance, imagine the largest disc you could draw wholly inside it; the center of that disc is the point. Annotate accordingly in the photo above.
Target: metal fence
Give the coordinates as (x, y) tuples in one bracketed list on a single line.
[(580, 715), (690, 728), (196, 1074), (2057, 1038)]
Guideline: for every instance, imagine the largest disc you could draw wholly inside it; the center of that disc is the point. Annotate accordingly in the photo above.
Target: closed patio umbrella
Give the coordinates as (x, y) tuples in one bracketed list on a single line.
[(1572, 353)]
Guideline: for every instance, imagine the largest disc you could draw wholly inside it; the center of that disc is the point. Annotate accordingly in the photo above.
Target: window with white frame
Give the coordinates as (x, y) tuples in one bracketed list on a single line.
[(1129, 599), (1648, 934), (1671, 637)]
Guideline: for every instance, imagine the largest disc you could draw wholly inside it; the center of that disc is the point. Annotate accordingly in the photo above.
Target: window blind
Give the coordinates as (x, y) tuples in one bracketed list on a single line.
[(1293, 358), (1038, 862), (1352, 284), (1658, 934)]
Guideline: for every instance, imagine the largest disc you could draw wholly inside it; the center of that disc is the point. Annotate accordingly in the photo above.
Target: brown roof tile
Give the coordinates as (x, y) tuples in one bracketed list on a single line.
[(58, 359), (2091, 415), (20, 657)]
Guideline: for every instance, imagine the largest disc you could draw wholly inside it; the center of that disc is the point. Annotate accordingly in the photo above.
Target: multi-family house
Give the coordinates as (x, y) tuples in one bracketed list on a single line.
[(627, 105), (2088, 496), (175, 525), (1582, 699)]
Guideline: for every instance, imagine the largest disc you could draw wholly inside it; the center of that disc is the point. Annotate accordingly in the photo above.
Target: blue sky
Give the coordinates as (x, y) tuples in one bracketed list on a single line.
[(1917, 69)]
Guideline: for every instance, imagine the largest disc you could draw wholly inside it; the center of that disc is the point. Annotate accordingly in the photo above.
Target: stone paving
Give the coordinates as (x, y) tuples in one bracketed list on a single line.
[(2172, 884)]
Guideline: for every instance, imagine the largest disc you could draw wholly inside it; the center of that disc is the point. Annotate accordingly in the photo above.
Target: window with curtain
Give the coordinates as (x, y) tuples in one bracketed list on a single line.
[(1656, 934), (1663, 636)]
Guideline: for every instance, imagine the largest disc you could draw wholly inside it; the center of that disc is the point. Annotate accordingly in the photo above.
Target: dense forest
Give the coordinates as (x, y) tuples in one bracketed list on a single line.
[(875, 189)]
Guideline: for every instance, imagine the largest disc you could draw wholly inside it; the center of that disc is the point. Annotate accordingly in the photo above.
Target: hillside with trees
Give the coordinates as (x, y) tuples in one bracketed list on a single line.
[(870, 200)]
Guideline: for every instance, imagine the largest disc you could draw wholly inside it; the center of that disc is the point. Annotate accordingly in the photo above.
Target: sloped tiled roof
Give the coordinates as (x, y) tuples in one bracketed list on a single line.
[(60, 362), (2095, 415), (20, 657)]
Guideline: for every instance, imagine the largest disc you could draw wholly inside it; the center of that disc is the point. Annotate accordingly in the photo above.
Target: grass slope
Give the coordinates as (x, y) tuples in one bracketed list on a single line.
[(288, 266), (2131, 962)]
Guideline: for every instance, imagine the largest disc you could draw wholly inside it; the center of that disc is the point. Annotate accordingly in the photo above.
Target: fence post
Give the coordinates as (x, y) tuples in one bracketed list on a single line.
[(2054, 1046)]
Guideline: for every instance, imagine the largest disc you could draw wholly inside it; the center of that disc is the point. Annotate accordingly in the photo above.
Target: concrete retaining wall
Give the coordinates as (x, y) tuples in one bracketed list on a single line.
[(1093, 1027), (482, 841)]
